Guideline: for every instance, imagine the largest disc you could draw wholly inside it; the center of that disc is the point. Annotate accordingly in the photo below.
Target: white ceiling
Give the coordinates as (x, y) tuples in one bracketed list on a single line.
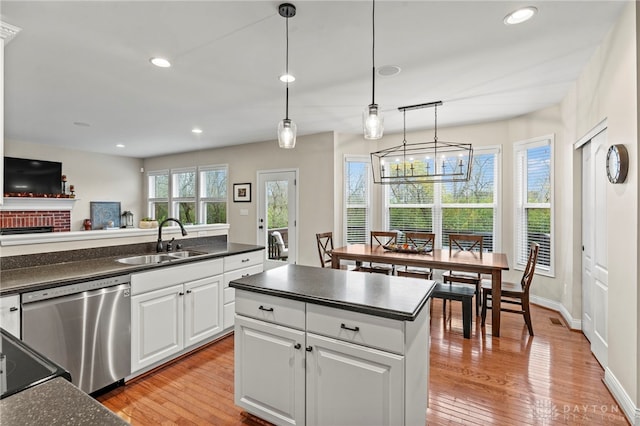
[(88, 62)]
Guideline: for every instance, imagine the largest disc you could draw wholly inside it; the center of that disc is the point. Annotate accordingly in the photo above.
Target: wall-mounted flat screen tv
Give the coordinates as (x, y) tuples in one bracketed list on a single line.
[(25, 176)]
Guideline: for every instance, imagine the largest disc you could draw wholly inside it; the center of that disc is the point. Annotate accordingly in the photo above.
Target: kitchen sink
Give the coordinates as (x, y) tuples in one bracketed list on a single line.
[(148, 259)]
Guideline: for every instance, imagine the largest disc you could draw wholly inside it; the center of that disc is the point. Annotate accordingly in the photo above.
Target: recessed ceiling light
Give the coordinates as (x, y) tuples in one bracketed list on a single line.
[(521, 15), (160, 62), (287, 78), (388, 70), (196, 130), (119, 145)]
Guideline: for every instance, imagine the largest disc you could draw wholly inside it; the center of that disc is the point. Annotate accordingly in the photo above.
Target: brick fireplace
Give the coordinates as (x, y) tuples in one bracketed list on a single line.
[(59, 220)]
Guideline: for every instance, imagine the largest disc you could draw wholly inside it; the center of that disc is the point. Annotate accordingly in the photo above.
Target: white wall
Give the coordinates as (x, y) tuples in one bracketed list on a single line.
[(313, 156), (96, 177), (608, 88)]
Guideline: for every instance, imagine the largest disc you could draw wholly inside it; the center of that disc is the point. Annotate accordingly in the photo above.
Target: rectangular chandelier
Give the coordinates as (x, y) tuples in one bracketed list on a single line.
[(423, 162)]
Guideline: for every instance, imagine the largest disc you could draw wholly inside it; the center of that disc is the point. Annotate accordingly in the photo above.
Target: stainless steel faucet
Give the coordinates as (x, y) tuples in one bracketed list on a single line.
[(159, 245)]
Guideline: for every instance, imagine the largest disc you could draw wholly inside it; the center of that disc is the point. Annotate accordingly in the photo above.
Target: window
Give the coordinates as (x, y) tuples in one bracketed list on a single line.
[(357, 179), (449, 207), (158, 189), (533, 195), (183, 184), (213, 194), (189, 194), (469, 207)]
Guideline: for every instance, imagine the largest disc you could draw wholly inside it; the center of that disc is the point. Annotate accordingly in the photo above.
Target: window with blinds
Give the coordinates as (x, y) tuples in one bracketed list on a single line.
[(357, 179), (533, 195), (449, 208)]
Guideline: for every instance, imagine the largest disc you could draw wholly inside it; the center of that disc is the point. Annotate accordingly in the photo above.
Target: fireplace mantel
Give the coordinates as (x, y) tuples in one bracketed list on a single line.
[(37, 204)]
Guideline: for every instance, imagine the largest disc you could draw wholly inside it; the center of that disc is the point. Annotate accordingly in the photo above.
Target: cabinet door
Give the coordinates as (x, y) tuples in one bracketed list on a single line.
[(156, 326), (349, 384), (203, 309), (10, 314), (269, 371)]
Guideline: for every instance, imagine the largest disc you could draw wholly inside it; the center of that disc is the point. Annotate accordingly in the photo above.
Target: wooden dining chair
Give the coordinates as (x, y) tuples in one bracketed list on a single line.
[(512, 293), (465, 243), (325, 247), (421, 241), (381, 238)]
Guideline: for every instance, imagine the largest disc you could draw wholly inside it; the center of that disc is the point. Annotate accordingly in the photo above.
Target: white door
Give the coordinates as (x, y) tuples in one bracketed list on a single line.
[(350, 385), (595, 281), (277, 215)]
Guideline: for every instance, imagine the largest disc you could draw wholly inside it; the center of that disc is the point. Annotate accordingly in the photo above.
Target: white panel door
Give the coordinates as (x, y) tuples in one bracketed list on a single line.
[(595, 257), (269, 371), (335, 397), (203, 309)]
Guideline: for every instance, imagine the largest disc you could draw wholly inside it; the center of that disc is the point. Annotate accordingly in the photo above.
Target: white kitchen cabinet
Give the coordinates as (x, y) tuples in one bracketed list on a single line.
[(351, 384), (10, 314), (173, 309), (157, 326), (270, 370), (238, 266), (361, 369)]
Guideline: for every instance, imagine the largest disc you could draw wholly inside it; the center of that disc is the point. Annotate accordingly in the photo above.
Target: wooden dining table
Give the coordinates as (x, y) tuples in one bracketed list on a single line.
[(488, 263)]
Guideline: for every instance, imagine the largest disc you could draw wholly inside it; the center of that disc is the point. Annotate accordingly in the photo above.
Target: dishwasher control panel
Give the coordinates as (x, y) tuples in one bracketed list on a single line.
[(66, 290)]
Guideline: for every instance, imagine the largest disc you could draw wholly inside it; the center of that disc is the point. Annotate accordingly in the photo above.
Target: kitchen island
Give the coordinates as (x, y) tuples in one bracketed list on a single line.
[(320, 346)]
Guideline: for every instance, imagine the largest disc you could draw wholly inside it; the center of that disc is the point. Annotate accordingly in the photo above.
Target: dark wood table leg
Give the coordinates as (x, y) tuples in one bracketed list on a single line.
[(467, 313), (496, 293), (335, 262)]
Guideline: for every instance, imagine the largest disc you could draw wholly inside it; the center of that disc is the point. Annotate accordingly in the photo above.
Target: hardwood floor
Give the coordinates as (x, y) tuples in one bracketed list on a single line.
[(551, 378)]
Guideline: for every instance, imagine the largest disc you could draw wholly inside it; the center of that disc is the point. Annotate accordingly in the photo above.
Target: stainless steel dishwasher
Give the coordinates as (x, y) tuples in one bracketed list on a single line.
[(84, 327)]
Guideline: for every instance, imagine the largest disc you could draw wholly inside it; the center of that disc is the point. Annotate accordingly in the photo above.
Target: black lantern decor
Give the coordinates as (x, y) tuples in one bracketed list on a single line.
[(127, 219)]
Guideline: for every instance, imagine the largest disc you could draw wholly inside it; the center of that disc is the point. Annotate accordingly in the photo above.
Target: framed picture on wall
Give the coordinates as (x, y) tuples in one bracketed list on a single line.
[(242, 192)]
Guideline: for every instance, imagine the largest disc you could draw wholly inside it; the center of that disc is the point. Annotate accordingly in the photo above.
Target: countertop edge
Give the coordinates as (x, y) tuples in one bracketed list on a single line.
[(355, 307)]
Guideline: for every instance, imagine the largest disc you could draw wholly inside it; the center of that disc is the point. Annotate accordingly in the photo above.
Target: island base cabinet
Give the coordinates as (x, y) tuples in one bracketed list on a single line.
[(270, 371), (350, 385)]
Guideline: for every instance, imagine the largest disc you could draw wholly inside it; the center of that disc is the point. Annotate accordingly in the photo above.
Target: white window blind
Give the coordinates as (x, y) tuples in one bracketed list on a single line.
[(357, 177), (533, 201)]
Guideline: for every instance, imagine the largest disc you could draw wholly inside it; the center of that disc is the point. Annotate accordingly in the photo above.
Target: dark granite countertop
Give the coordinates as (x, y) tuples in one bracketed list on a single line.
[(375, 294), (55, 402), (31, 278)]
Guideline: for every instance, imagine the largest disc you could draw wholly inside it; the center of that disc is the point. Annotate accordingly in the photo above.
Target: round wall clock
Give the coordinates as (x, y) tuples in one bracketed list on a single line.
[(617, 163)]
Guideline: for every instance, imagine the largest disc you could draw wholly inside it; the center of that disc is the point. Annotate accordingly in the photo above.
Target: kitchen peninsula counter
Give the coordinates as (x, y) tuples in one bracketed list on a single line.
[(85, 264)]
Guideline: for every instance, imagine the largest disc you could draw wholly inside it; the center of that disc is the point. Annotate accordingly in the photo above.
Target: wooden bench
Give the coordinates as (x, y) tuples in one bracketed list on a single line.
[(461, 293)]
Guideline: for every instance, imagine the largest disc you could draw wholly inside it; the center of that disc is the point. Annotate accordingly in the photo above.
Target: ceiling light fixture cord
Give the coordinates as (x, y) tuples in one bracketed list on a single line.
[(287, 72), (373, 53)]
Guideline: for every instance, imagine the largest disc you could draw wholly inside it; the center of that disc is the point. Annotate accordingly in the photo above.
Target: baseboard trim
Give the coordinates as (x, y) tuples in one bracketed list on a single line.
[(572, 323), (622, 398)]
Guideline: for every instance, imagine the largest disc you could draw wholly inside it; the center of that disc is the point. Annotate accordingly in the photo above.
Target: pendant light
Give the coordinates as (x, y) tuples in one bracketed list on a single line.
[(372, 121), (287, 128)]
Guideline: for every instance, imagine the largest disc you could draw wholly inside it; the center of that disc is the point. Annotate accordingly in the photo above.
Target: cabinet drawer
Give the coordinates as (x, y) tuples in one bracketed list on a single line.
[(271, 309), (243, 260), (354, 327), (240, 273)]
